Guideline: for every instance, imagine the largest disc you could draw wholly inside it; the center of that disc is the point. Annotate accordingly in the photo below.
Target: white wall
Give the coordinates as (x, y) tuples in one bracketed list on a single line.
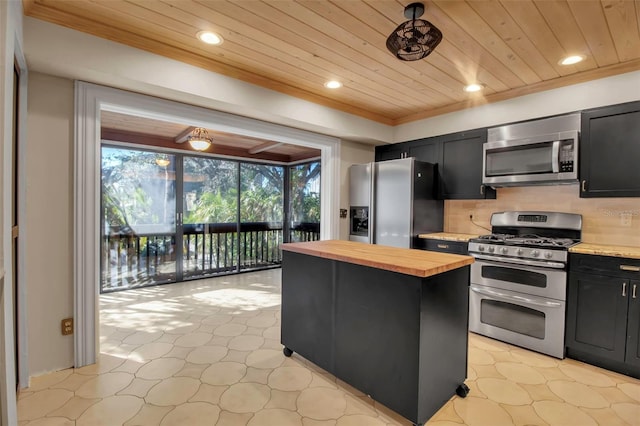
[(49, 219), (10, 42), (607, 91)]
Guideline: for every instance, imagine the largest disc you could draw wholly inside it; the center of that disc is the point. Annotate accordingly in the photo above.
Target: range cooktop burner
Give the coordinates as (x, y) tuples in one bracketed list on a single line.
[(495, 237), (541, 241), (526, 237), (527, 240)]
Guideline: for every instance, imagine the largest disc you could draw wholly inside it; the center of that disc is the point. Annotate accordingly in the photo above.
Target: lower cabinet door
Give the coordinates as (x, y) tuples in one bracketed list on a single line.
[(633, 330), (597, 315)]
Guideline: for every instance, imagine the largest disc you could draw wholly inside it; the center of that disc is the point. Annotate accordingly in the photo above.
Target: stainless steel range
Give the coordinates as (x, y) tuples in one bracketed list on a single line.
[(518, 283)]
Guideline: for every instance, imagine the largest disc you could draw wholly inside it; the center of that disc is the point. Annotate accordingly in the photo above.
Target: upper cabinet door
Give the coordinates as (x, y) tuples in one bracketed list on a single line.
[(610, 151), (461, 169), (427, 150), (459, 160), (390, 152)]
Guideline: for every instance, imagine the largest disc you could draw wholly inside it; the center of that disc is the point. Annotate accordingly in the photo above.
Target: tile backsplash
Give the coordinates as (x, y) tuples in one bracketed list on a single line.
[(614, 221)]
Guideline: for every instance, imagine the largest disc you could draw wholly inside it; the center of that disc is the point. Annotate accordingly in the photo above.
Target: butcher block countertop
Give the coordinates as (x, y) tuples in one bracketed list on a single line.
[(448, 236), (419, 263), (606, 250)]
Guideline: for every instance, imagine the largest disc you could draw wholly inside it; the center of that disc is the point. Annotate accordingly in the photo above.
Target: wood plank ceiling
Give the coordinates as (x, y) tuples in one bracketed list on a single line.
[(512, 47)]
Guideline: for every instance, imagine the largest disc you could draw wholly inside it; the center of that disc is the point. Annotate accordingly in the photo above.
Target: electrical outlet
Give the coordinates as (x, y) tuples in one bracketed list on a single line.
[(67, 326), (625, 219)]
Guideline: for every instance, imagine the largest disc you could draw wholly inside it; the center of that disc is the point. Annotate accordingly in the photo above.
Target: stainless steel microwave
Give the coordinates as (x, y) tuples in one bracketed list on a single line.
[(541, 159)]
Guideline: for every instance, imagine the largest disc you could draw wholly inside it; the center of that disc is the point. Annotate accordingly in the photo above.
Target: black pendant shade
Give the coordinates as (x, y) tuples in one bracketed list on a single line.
[(414, 39)]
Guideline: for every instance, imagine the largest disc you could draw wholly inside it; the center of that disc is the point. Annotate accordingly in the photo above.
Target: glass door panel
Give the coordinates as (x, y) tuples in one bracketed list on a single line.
[(261, 211), (210, 212), (304, 202), (138, 215)]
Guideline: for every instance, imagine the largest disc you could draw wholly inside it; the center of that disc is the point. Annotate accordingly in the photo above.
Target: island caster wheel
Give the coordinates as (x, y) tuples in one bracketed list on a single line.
[(287, 352), (462, 390)]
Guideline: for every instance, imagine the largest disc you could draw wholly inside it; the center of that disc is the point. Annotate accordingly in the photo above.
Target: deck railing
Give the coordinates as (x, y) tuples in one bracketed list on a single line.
[(133, 259)]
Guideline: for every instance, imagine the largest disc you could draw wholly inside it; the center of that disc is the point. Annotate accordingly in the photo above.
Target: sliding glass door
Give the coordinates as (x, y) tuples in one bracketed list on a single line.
[(171, 217), (261, 215), (138, 218), (304, 202), (210, 216)]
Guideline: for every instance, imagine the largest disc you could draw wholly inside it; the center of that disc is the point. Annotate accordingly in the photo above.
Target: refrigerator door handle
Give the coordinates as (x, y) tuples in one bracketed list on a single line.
[(372, 203)]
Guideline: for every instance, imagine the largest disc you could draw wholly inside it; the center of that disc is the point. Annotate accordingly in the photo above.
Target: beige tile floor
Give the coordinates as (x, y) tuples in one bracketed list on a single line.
[(207, 353)]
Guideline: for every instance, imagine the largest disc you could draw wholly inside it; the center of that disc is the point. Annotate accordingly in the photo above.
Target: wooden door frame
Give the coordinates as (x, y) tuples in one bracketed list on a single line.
[(21, 296), (12, 55)]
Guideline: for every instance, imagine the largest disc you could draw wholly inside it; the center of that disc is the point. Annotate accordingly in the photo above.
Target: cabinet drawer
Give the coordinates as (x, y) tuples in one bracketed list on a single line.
[(455, 247), (607, 265)]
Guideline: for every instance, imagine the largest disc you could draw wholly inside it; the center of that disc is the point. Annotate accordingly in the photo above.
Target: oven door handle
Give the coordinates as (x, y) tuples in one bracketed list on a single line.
[(537, 302), (539, 263)]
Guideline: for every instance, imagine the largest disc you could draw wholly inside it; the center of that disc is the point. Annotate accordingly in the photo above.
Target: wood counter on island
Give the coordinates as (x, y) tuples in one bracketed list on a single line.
[(391, 322)]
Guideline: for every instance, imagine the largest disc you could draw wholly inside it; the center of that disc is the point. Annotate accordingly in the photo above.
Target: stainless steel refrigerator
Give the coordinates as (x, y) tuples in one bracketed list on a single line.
[(392, 202)]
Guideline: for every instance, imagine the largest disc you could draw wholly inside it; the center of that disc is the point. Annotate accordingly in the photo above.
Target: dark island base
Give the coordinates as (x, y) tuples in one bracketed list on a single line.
[(398, 338)]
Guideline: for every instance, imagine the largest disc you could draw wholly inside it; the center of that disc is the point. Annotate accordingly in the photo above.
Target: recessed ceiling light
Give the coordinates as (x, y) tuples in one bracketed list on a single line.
[(570, 60), (475, 87), (210, 38), (333, 84)]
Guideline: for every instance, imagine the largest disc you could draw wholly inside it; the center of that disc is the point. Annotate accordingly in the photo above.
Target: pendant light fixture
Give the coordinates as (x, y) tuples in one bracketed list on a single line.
[(162, 160), (199, 139), (414, 39)]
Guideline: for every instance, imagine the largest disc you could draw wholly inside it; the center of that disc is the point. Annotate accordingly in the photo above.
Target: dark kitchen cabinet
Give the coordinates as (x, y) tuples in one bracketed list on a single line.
[(459, 159), (597, 313), (427, 150), (603, 312), (423, 149), (390, 152), (461, 170), (444, 246), (633, 333), (610, 151)]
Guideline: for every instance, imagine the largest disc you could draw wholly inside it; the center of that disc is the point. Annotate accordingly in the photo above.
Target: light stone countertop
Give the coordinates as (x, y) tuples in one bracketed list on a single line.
[(448, 236), (606, 250)]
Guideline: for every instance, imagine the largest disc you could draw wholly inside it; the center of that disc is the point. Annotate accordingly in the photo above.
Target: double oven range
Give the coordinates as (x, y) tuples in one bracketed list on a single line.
[(518, 283)]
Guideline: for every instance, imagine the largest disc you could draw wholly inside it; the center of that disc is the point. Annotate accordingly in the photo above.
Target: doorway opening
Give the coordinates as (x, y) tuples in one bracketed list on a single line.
[(169, 217), (92, 103)]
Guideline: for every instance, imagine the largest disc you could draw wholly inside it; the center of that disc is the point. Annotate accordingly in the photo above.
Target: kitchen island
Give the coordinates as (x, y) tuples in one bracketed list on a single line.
[(391, 322)]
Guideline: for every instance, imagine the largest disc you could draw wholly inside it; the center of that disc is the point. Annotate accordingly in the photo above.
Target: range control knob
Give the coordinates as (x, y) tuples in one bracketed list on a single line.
[(492, 249), (548, 255), (535, 253), (519, 252), (504, 250), (481, 248)]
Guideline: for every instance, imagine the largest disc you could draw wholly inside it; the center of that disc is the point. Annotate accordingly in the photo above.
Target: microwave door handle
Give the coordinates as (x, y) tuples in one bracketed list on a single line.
[(555, 157)]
